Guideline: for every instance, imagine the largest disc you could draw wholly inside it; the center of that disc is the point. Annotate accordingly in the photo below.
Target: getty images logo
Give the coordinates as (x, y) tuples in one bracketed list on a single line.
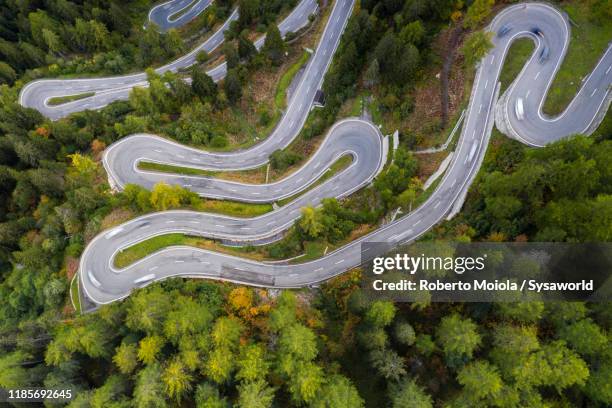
[(412, 264)]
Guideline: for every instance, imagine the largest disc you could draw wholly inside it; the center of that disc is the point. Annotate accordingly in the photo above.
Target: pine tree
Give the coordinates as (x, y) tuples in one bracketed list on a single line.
[(274, 47), (232, 86), (203, 85)]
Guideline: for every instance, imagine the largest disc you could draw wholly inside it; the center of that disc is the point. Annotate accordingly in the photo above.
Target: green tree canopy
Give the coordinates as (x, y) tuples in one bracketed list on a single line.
[(338, 392), (274, 46), (255, 394), (476, 46), (408, 394), (477, 12), (458, 338)]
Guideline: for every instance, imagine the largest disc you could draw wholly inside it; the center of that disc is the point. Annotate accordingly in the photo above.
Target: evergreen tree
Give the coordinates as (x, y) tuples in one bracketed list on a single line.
[(232, 87), (274, 46), (203, 85), (408, 394)]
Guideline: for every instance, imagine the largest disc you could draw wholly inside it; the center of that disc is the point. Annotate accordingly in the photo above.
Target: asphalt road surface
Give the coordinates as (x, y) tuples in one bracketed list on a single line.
[(176, 13), (103, 283), (37, 94)]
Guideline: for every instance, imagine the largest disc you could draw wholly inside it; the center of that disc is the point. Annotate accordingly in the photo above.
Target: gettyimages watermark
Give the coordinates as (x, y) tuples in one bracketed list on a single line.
[(487, 272)]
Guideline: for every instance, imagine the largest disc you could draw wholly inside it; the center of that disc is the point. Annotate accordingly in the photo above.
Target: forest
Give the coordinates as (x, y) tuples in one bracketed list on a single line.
[(211, 344)]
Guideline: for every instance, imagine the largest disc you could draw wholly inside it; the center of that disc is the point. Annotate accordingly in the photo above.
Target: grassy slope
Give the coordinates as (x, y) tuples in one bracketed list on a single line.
[(518, 54), (167, 168), (58, 100), (147, 247), (74, 294), (280, 97), (234, 208)]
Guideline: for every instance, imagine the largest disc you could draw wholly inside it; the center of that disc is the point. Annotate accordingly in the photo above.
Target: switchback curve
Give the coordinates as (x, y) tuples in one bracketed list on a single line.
[(176, 13)]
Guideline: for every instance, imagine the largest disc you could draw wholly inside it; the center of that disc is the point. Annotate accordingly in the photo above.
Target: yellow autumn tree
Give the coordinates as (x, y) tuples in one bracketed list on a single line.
[(241, 300), (310, 222), (83, 165), (149, 348), (165, 196), (176, 379)]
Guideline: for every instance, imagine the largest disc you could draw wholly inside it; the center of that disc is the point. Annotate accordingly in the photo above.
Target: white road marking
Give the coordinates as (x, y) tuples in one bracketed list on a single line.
[(194, 222), (492, 59), (153, 268), (179, 261), (245, 228), (406, 233), (537, 75), (486, 83), (437, 204), (480, 108), (271, 223), (339, 262), (608, 70), (169, 222), (219, 226), (593, 93), (418, 222), (318, 269)]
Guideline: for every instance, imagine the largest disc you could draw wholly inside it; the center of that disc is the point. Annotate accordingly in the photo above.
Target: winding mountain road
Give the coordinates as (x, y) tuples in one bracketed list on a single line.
[(38, 94), (103, 283)]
